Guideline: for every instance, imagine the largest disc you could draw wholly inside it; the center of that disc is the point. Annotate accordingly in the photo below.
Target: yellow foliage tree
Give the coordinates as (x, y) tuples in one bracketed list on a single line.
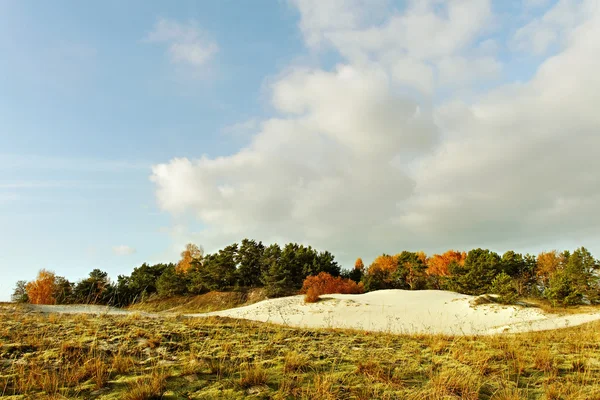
[(547, 264), (191, 254), (41, 290)]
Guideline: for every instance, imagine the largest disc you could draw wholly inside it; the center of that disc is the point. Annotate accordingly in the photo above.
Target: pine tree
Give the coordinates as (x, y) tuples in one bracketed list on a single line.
[(248, 259)]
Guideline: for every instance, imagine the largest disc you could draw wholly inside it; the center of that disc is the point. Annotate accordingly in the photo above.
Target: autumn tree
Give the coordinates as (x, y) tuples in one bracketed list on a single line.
[(191, 254), (358, 271), (439, 264), (41, 290), (547, 265), (379, 275)]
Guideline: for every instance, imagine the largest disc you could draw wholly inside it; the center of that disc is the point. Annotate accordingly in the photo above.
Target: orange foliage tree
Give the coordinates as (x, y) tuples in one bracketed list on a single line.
[(359, 265), (380, 273), (324, 283), (41, 290), (384, 263), (191, 254), (439, 264)]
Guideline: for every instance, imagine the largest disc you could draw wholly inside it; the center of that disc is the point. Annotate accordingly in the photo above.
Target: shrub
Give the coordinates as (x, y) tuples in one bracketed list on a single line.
[(324, 283), (311, 295)]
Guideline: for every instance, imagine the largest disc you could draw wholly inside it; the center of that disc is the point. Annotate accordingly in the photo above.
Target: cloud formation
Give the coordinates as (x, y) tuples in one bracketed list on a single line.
[(123, 250), (365, 158), (187, 45)]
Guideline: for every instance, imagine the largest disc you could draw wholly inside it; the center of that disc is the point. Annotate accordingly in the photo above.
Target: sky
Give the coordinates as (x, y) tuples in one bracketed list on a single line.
[(128, 129)]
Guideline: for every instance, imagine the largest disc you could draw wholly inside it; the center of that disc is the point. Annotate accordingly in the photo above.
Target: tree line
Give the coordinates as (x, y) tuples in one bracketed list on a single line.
[(563, 278), (250, 264)]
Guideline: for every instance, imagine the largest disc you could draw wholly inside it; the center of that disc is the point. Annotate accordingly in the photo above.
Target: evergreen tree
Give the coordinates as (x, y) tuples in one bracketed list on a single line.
[(172, 282), (199, 280), (63, 290), (325, 262), (249, 258), (504, 286), (410, 273), (577, 281), (143, 279), (224, 268), (277, 274), (93, 290), (562, 290), (475, 277)]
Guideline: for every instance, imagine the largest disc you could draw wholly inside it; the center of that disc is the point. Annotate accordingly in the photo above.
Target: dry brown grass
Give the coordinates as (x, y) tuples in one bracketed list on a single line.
[(295, 362), (253, 375), (145, 358), (147, 388)]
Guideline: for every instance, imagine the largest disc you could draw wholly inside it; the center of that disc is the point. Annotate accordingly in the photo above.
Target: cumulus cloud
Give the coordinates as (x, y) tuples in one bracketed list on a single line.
[(186, 43), (123, 250), (355, 163)]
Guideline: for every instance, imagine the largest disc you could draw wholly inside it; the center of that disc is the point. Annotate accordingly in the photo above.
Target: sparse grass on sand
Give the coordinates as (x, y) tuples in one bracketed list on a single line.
[(120, 357), (212, 301)]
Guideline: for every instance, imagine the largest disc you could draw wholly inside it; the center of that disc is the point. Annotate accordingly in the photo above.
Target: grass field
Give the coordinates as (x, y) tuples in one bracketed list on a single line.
[(131, 357)]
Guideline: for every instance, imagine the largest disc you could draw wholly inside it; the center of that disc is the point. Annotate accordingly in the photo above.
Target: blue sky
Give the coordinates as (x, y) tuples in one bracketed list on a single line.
[(106, 108), (87, 106)]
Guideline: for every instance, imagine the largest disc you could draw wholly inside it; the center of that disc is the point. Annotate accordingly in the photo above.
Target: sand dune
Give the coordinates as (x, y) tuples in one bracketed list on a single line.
[(394, 311), (402, 311)]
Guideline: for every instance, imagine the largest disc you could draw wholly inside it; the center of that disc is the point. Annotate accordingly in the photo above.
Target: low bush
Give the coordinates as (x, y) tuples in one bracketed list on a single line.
[(324, 283)]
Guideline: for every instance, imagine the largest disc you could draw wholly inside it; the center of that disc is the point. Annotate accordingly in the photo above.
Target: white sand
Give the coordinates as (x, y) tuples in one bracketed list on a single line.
[(394, 311), (403, 311)]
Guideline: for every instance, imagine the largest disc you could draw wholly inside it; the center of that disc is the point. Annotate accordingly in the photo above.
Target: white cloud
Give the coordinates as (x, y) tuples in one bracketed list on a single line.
[(327, 165), (460, 71), (358, 165), (552, 28), (242, 129), (186, 43), (123, 250)]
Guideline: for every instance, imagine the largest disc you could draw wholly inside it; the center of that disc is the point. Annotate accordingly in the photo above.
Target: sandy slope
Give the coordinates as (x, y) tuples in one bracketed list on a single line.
[(402, 311)]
